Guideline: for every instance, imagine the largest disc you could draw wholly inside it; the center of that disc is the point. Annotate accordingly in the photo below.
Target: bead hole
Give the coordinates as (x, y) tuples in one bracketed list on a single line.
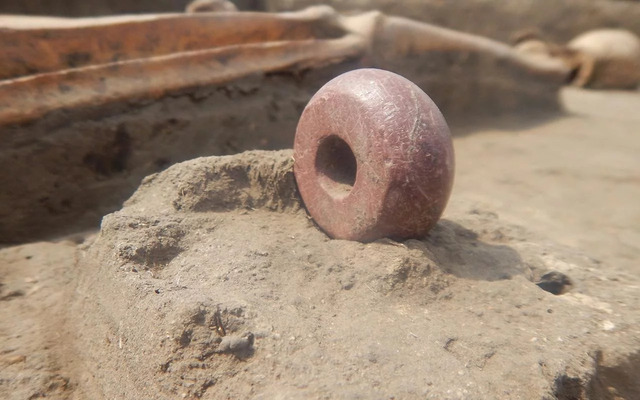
[(336, 166)]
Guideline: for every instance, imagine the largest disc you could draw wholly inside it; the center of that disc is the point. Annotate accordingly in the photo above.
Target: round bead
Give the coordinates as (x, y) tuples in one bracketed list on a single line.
[(373, 157)]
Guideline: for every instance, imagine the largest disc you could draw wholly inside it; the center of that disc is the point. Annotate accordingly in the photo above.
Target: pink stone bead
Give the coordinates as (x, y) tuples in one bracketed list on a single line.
[(373, 157)]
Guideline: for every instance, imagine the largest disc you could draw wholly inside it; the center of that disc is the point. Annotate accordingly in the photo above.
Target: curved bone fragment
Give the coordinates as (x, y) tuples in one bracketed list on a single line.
[(467, 67), (598, 59), (607, 59)]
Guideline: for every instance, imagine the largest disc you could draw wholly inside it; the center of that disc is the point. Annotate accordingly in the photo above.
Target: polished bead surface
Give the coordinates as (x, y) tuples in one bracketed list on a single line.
[(373, 157)]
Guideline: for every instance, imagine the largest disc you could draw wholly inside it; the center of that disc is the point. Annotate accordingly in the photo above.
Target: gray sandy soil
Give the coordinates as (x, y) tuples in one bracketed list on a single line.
[(574, 180), (212, 282)]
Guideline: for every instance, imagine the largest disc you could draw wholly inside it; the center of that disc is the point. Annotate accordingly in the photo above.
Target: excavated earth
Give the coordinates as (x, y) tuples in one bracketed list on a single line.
[(560, 21), (213, 282)]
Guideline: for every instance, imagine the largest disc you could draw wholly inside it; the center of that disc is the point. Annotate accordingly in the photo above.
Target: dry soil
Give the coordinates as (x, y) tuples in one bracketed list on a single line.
[(213, 282)]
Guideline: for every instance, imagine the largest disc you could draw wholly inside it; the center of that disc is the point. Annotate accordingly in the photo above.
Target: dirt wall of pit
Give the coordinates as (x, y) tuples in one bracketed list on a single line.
[(62, 173)]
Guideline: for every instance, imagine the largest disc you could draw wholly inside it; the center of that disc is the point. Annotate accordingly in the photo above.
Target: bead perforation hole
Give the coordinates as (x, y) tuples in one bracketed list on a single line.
[(336, 166)]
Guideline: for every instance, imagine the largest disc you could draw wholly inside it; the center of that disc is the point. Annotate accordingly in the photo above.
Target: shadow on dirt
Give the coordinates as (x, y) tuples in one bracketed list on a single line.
[(513, 123), (460, 252), (617, 382)]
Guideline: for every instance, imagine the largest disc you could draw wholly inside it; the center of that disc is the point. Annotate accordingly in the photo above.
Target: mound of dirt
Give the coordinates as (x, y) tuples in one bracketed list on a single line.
[(213, 282)]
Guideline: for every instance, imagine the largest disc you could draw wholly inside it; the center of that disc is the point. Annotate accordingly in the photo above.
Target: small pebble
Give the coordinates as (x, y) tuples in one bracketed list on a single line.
[(235, 344), (608, 326), (555, 282)]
